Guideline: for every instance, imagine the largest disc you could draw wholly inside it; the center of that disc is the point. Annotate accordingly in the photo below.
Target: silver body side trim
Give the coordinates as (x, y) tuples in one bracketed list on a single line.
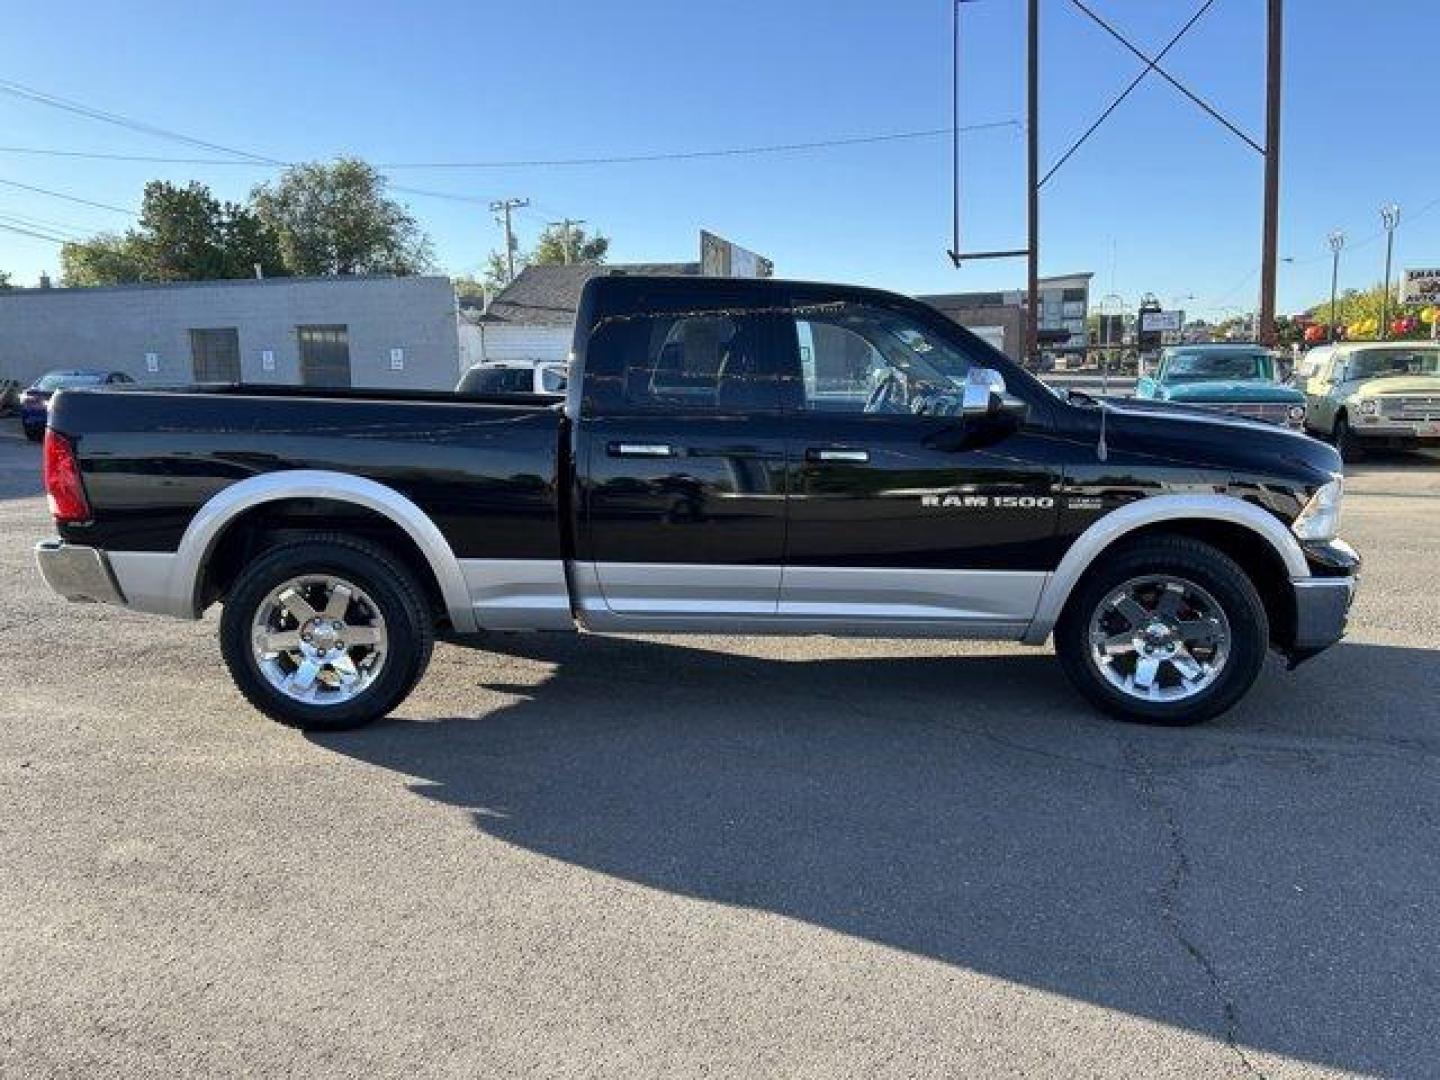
[(865, 601), (683, 589), (1157, 508), (897, 594), (179, 595), (518, 594)]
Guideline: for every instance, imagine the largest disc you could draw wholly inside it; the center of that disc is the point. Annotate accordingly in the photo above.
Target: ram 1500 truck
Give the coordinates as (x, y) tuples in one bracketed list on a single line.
[(733, 456)]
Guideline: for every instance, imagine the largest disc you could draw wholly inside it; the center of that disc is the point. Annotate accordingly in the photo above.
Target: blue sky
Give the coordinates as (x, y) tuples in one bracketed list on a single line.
[(1162, 199)]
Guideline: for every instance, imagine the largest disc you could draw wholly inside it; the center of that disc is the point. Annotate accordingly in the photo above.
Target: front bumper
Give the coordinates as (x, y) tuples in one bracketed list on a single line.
[(77, 573), (1322, 608)]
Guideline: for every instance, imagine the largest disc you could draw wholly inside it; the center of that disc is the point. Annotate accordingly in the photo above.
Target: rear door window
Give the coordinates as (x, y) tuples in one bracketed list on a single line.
[(691, 361)]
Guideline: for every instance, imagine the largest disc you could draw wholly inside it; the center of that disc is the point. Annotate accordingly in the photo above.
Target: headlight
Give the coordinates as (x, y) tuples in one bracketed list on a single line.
[(1296, 413), (1320, 520), (1370, 406)]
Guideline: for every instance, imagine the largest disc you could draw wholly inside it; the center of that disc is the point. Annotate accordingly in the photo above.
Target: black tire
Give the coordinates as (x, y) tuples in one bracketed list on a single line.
[(1192, 561), (389, 583), (1345, 440)]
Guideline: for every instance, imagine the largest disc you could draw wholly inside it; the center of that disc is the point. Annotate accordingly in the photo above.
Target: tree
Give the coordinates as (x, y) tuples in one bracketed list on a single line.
[(1356, 308), (104, 259), (334, 218), (557, 244), (184, 234), (497, 272), (467, 285), (5, 280)]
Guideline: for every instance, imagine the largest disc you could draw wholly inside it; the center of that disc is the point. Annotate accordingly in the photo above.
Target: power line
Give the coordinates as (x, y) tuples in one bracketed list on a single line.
[(524, 163), (33, 233), (79, 108), (68, 198), (691, 155)]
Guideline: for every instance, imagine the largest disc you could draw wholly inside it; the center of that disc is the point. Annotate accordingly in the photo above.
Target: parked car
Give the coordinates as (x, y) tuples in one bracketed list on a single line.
[(751, 456), (35, 402), (545, 379), (1367, 394), (1237, 379)]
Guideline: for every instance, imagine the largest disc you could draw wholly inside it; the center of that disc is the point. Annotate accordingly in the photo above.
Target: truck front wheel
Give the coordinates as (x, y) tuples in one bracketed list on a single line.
[(1346, 442), (1168, 630), (326, 632)]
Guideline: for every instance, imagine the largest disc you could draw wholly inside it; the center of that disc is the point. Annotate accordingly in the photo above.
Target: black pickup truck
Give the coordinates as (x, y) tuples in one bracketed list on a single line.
[(733, 456)]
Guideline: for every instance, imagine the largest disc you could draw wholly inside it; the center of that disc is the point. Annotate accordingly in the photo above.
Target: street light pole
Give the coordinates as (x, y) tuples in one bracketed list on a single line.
[(1337, 241), (1390, 217)]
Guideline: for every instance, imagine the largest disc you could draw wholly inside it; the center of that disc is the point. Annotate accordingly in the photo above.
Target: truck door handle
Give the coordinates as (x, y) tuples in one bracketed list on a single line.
[(647, 450), (837, 453)]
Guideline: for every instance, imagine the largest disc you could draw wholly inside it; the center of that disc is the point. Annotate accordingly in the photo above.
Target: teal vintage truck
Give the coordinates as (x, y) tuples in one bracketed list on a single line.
[(1236, 379)]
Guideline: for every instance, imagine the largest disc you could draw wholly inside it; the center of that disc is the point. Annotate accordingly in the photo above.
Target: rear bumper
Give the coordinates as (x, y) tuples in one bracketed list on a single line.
[(1322, 608), (77, 573)]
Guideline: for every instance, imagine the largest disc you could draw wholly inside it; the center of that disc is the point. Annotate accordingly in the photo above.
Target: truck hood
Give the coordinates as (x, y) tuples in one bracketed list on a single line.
[(1395, 384), (1188, 434), (1230, 390)]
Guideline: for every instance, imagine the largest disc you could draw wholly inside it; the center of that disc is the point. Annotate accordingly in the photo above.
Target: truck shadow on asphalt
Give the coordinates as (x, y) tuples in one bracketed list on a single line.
[(1269, 880)]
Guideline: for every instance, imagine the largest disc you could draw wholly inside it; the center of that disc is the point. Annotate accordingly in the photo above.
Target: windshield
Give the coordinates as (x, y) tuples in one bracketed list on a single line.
[(1184, 367), (58, 379), (1377, 363)]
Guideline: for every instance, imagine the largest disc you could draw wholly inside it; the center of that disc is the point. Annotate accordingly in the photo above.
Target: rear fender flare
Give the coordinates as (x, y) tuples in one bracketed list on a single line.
[(216, 515)]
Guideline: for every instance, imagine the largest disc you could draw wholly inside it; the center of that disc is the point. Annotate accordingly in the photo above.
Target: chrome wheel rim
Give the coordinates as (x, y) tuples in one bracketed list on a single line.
[(319, 639), (1160, 638)]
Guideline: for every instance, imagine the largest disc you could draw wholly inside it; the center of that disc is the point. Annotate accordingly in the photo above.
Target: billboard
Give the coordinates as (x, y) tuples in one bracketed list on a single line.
[(1161, 321), (721, 258), (1420, 286)]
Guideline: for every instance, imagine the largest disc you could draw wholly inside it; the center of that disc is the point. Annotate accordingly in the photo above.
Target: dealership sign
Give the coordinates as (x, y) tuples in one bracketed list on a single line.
[(1420, 287)]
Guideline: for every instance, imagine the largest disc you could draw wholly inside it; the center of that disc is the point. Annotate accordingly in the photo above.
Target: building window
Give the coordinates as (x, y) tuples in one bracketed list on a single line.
[(324, 355), (215, 355)]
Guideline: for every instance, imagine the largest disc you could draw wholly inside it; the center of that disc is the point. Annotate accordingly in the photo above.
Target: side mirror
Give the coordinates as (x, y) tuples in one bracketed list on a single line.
[(983, 389)]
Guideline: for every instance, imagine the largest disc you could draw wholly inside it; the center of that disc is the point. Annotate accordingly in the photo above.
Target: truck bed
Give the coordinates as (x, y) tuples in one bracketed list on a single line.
[(484, 470)]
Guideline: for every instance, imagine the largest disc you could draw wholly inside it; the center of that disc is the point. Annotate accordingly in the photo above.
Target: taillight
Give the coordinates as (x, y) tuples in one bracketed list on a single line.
[(62, 480)]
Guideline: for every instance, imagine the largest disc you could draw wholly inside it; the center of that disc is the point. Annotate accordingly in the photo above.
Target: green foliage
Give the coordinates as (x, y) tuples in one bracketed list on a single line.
[(335, 218), (469, 286), (185, 234), (104, 259), (552, 244), (497, 274), (5, 279)]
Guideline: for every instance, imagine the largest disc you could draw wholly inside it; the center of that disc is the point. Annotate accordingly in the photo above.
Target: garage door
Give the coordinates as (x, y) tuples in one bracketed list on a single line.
[(324, 355), (215, 355)]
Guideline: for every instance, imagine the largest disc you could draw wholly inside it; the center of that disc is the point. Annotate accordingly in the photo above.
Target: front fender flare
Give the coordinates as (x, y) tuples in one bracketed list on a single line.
[(1094, 541)]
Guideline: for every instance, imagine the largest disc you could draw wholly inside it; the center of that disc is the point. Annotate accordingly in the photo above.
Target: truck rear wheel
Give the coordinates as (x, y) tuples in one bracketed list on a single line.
[(1167, 631), (326, 632)]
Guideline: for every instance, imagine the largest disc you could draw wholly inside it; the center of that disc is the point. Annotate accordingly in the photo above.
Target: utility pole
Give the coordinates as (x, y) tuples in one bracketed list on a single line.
[(565, 226), (1390, 217), (1337, 241), (1271, 227), (1032, 149), (504, 206)]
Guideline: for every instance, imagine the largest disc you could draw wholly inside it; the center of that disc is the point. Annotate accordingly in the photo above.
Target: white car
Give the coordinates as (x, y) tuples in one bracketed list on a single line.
[(501, 379)]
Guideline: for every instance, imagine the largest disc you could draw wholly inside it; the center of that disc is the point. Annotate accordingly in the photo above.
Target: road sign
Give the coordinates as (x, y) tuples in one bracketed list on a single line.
[(1420, 286)]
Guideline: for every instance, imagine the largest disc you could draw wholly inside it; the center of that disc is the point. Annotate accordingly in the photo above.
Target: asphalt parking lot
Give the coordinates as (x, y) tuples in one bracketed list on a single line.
[(717, 856)]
